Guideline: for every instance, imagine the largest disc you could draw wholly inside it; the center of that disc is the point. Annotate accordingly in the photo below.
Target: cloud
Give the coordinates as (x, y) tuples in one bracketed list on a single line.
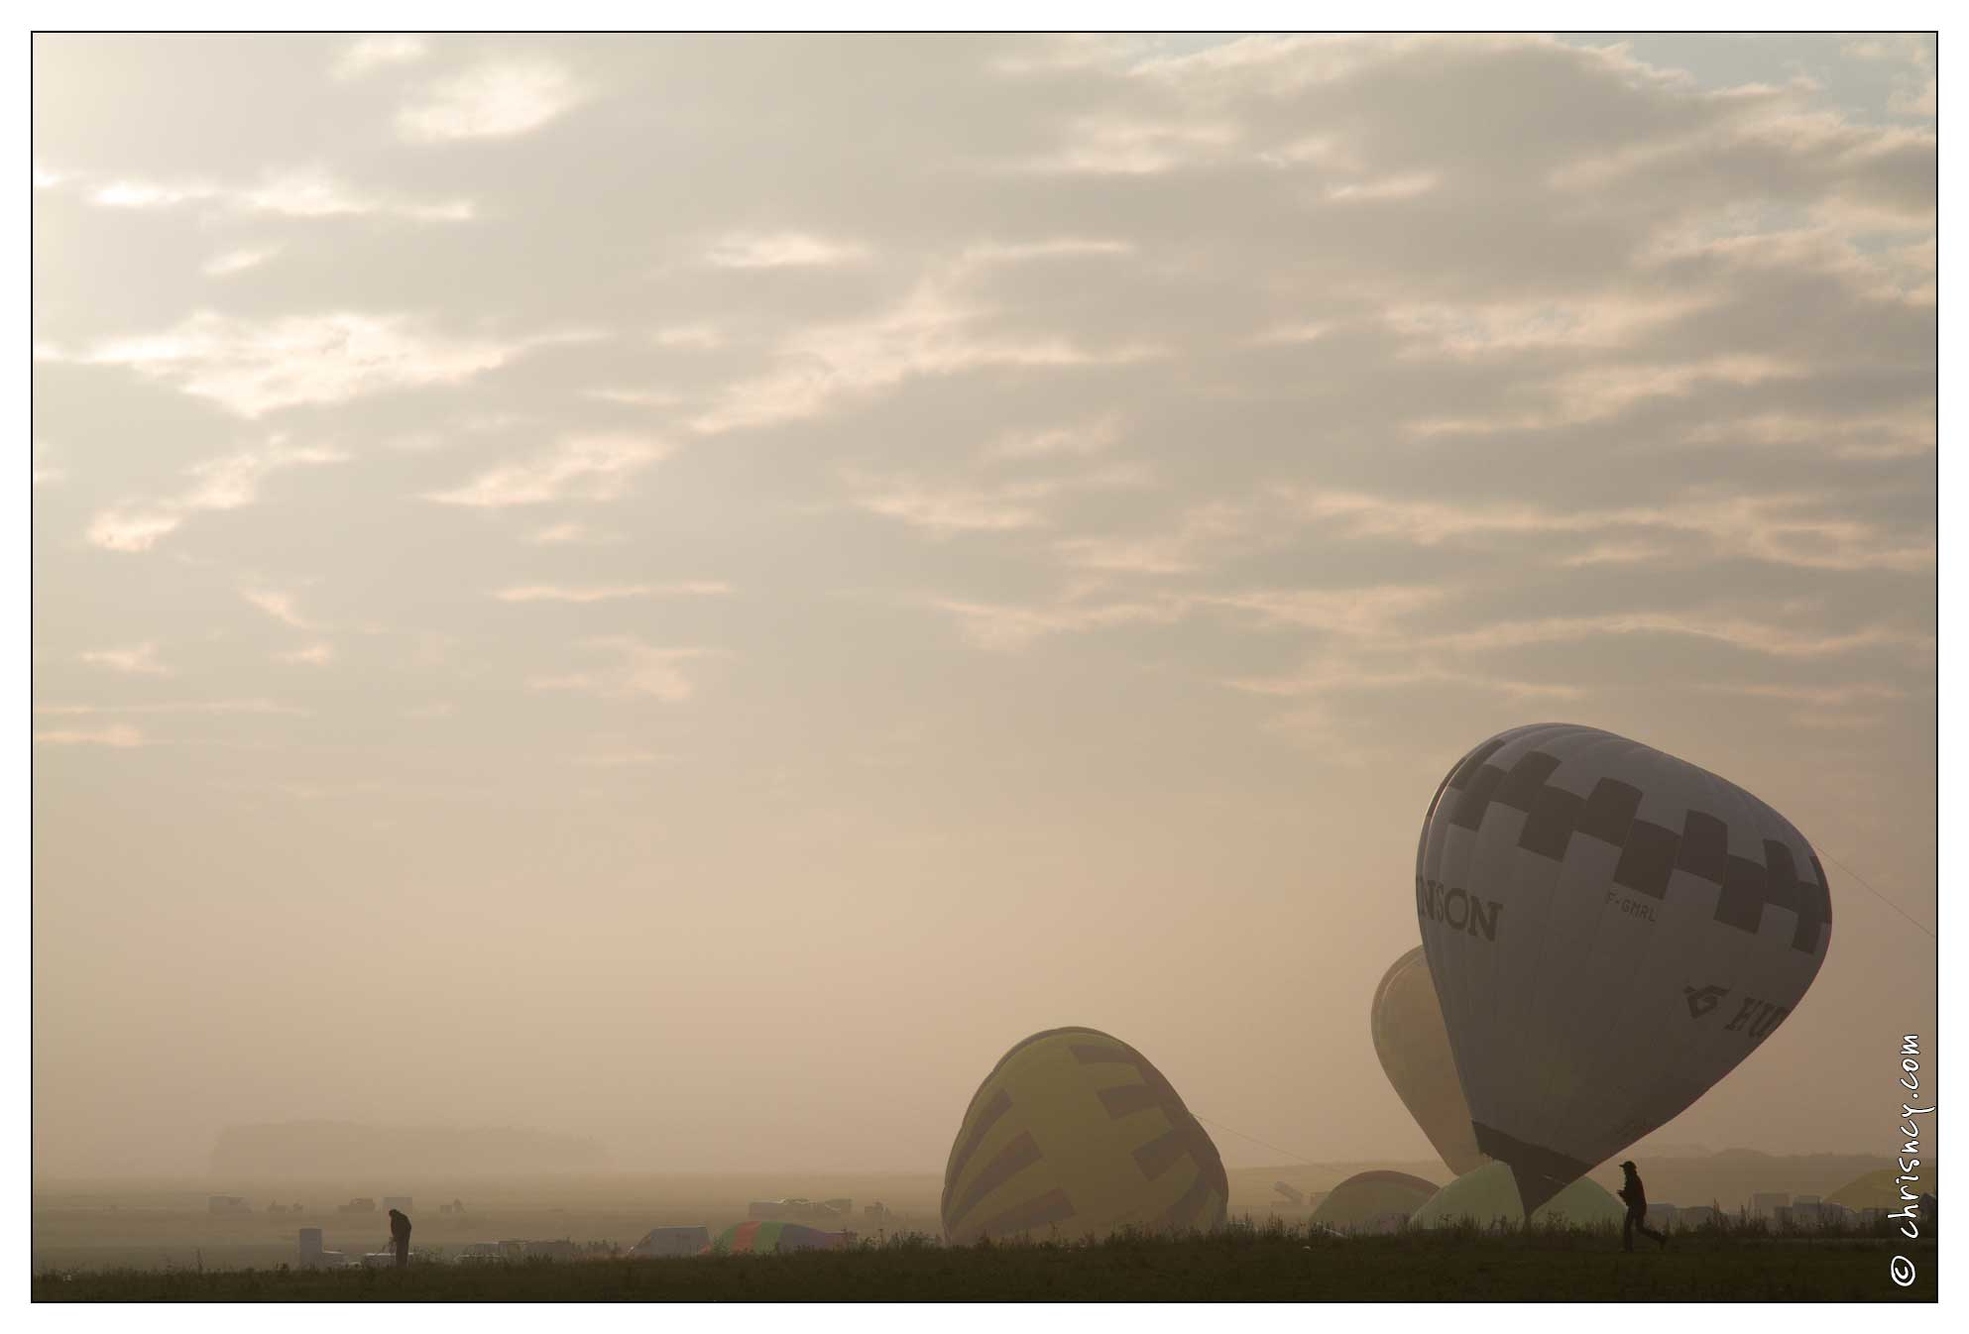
[(1120, 145), (782, 250), (1866, 436), (1367, 614), (983, 253), (230, 482), (252, 367), (947, 507), (150, 194), (233, 481), (1384, 189), (936, 331), (1768, 143), (639, 671), (117, 737), (313, 655), (366, 55), (1915, 100), (947, 510), (1078, 440), (497, 100), (1778, 528), (1072, 53), (1914, 86), (610, 592), (1751, 636), (138, 659), (278, 605), (690, 337), (1599, 393), (1849, 704), (621, 759), (1200, 537), (1340, 676), (1479, 329), (1010, 628), (440, 709), (1833, 696), (562, 534), (237, 261), (587, 467), (125, 529), (45, 472), (640, 398), (1881, 256), (190, 706), (1335, 380), (315, 194), (1354, 612), (1287, 335), (302, 192)]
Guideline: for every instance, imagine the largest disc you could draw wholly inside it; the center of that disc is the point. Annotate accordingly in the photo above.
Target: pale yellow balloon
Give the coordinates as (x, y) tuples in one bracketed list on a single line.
[(1074, 1134), (1413, 1044)]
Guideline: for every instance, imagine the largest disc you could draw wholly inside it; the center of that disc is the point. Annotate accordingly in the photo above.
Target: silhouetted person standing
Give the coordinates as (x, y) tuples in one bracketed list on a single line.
[(400, 1236), (1636, 1196)]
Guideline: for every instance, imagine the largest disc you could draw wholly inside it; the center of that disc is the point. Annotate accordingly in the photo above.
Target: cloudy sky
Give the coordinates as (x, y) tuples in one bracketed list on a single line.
[(695, 590)]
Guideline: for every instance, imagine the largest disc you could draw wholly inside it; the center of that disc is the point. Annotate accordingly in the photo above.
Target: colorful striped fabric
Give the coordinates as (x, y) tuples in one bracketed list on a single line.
[(764, 1238)]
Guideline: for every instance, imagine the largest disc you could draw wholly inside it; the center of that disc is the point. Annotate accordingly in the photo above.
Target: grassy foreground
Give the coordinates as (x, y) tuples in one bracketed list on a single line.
[(1239, 1264)]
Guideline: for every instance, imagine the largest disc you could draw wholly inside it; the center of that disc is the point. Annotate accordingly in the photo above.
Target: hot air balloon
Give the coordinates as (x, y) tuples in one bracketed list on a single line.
[(1489, 1197), (1413, 1045), (1075, 1134), (1373, 1202), (1611, 930), (1879, 1189)]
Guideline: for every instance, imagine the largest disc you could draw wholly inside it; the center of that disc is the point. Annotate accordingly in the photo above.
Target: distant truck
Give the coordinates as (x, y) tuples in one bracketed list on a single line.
[(357, 1206)]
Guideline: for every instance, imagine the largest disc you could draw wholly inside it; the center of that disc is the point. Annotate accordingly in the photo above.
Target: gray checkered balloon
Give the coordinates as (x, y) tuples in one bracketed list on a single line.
[(1611, 931)]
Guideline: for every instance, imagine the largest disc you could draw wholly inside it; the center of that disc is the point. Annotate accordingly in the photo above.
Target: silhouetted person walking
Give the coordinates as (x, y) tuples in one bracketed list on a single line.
[(1636, 1196), (400, 1236)]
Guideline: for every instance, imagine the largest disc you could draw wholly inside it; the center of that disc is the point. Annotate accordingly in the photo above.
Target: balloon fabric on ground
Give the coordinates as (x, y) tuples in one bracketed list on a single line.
[(1611, 930), (762, 1238), (1489, 1197), (1413, 1044), (1074, 1133), (1376, 1201)]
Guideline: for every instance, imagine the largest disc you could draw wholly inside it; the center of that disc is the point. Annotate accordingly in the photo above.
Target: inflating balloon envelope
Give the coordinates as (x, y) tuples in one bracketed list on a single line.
[(1413, 1044), (1611, 931)]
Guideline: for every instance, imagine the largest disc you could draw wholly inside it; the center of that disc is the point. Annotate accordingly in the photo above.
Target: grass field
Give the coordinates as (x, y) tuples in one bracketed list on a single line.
[(1242, 1263)]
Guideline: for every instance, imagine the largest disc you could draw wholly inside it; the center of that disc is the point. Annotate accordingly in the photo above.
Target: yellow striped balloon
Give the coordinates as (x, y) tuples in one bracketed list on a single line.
[(1075, 1134)]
